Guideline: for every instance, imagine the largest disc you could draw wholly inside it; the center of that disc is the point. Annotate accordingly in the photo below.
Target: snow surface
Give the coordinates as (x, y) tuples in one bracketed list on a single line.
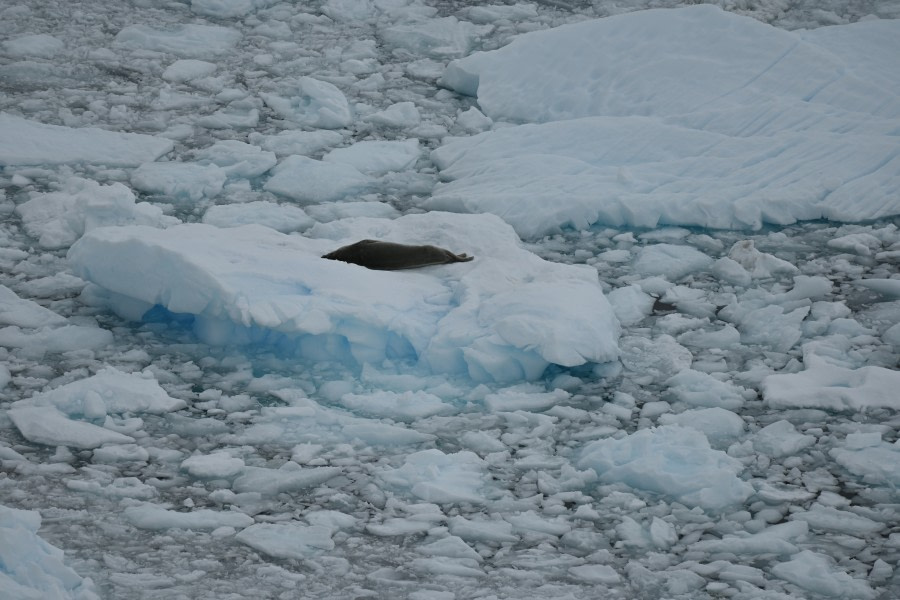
[(681, 385), (496, 319), (695, 128)]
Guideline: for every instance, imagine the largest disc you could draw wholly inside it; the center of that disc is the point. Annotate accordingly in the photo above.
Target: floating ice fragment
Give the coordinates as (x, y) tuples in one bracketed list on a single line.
[(377, 157), (889, 288), (828, 518), (185, 70), (110, 391), (31, 568), (228, 9), (312, 102), (151, 516), (47, 425), (180, 181), (57, 219), (670, 261), (287, 540), (290, 142), (280, 217), (674, 461), (402, 114), (189, 41), (442, 478), (874, 464), (218, 465), (39, 45), (307, 180), (781, 439), (721, 427), (833, 388), (817, 574), (505, 316), (25, 313), (688, 106), (237, 159), (290, 477), (405, 406), (659, 358), (446, 37), (24, 142), (701, 389)]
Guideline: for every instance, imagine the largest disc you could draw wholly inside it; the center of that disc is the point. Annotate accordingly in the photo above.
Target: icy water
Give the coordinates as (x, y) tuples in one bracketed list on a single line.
[(399, 483)]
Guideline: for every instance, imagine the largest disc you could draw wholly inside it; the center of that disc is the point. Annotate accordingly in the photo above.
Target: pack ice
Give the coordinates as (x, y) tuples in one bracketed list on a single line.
[(693, 117), (505, 316)]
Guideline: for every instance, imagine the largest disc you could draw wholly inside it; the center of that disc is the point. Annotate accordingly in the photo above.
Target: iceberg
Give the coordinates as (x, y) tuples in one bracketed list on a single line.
[(702, 118), (504, 317)]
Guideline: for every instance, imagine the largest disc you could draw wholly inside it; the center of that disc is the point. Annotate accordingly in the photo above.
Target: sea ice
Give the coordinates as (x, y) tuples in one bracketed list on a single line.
[(218, 465), (442, 38), (280, 217), (833, 388), (285, 143), (30, 568), (179, 181), (188, 41), (25, 142), (376, 157), (152, 516), (688, 106), (505, 316), (109, 391), (25, 313), (46, 425), (57, 219), (307, 180), (402, 114), (433, 476), (311, 102), (287, 540), (815, 573), (721, 427), (237, 159), (875, 463), (673, 461), (700, 389), (188, 69), (39, 45), (781, 439)]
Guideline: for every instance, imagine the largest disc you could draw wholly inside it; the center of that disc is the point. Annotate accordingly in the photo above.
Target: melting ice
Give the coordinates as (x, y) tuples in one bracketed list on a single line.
[(670, 371)]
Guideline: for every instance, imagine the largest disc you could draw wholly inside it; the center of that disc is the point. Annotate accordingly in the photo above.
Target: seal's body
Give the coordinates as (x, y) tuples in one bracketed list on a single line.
[(388, 256)]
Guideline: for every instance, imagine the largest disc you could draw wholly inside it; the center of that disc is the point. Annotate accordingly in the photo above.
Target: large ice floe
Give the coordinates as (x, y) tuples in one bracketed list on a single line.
[(32, 568), (24, 142), (505, 316), (694, 117), (195, 404)]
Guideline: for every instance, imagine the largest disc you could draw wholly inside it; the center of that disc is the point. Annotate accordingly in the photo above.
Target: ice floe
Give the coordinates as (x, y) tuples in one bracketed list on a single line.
[(506, 316), (32, 568), (670, 460), (26, 142), (688, 105)]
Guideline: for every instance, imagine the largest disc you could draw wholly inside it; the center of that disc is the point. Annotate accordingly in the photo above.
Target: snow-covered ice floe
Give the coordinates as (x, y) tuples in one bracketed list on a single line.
[(32, 568), (75, 414), (658, 117), (503, 317), (24, 142), (674, 461)]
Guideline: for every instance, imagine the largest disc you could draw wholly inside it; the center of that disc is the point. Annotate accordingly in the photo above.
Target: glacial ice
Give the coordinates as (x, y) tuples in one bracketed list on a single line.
[(505, 316), (697, 130)]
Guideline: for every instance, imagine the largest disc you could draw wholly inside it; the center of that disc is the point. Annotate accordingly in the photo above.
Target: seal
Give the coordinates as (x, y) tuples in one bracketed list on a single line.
[(389, 256)]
